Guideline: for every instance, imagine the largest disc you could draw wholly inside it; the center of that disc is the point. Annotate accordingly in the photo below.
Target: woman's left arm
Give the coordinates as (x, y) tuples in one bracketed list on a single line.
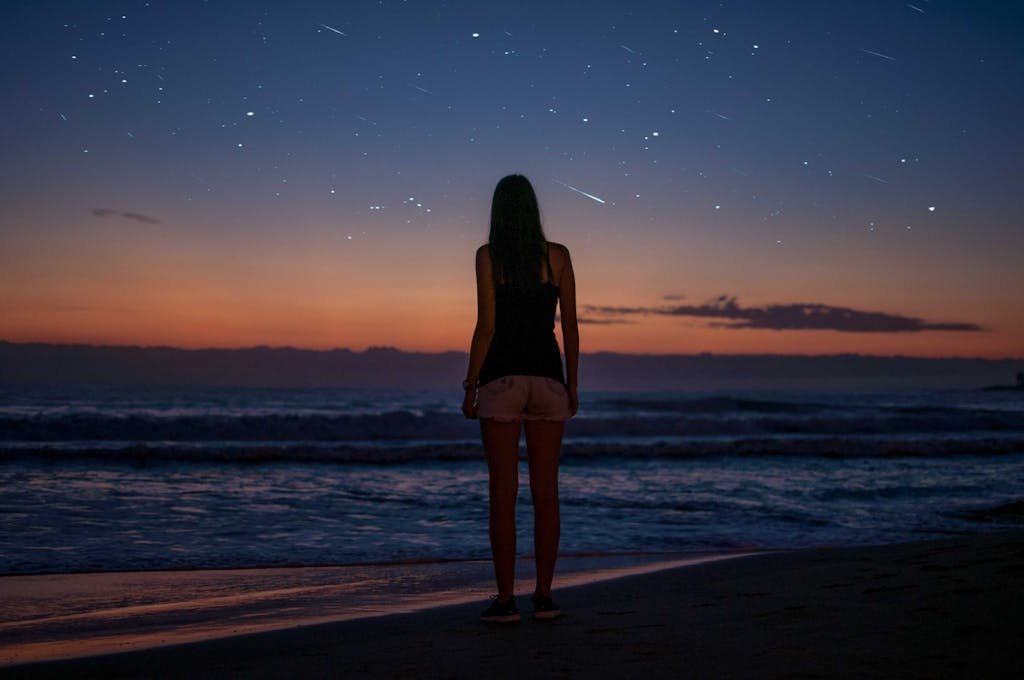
[(570, 329)]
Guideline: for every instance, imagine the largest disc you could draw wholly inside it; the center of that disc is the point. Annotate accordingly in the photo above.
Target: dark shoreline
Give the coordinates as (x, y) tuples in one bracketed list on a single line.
[(947, 608)]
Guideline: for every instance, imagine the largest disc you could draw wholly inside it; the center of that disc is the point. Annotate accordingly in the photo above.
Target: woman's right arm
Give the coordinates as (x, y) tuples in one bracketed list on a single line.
[(484, 330)]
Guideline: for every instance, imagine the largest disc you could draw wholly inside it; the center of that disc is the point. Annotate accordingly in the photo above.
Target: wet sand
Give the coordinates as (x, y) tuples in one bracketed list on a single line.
[(61, 616), (952, 608)]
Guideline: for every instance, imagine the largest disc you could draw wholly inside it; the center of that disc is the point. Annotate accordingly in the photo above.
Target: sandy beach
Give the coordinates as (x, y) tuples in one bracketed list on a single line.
[(950, 608)]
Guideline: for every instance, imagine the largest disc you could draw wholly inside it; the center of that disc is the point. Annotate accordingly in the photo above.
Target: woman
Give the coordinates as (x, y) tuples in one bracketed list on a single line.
[(515, 382)]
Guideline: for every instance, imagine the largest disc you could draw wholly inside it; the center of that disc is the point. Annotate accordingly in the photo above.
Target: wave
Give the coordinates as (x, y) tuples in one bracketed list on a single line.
[(395, 425), (390, 452), (706, 417), (714, 404)]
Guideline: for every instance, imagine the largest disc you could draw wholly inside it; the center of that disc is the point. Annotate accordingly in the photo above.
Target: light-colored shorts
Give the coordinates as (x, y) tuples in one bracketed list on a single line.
[(514, 398)]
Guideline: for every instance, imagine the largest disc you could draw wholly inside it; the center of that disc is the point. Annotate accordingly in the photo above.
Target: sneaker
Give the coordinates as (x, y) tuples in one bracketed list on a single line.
[(544, 607), (501, 612)]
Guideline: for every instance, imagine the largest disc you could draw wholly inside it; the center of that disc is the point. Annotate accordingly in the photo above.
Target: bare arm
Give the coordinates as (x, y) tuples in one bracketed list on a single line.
[(570, 328), (484, 330)]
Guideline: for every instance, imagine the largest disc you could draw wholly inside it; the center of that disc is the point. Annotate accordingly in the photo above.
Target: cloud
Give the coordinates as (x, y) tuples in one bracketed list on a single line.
[(601, 322), (138, 217), (592, 320), (727, 313)]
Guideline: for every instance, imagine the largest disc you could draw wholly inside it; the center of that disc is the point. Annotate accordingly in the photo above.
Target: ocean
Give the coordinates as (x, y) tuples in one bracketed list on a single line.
[(129, 479)]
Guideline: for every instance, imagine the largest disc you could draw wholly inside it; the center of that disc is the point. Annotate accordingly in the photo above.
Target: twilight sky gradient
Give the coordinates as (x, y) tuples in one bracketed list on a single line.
[(795, 177)]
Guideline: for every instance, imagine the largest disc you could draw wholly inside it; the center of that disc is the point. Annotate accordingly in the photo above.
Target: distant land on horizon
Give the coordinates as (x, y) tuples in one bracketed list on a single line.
[(41, 364)]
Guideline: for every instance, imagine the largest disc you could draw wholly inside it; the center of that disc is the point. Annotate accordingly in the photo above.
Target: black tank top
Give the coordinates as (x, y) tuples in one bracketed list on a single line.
[(524, 333)]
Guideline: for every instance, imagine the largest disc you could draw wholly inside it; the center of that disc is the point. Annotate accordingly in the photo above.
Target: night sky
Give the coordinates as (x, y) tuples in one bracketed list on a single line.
[(796, 177)]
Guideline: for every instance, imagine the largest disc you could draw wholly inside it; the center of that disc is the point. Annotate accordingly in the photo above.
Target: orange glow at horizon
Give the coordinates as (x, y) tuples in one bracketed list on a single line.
[(189, 320), (315, 289)]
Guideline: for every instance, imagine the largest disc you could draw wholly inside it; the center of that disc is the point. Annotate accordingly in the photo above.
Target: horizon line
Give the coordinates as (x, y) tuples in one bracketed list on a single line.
[(391, 348)]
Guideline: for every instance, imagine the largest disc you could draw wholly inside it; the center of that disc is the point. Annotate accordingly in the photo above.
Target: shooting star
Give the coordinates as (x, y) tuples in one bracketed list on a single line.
[(581, 193), (879, 54), (421, 89), (720, 115), (877, 179), (628, 49), (366, 120), (915, 8), (332, 28)]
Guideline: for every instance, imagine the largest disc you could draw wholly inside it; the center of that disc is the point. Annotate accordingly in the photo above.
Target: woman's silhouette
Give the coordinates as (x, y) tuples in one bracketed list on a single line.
[(515, 381)]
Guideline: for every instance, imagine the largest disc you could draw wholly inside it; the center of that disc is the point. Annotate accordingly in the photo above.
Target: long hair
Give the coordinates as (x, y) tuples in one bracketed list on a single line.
[(517, 243)]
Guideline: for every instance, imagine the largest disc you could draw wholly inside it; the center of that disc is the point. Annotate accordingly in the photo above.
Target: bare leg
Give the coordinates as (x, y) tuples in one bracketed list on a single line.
[(501, 442), (543, 446)]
